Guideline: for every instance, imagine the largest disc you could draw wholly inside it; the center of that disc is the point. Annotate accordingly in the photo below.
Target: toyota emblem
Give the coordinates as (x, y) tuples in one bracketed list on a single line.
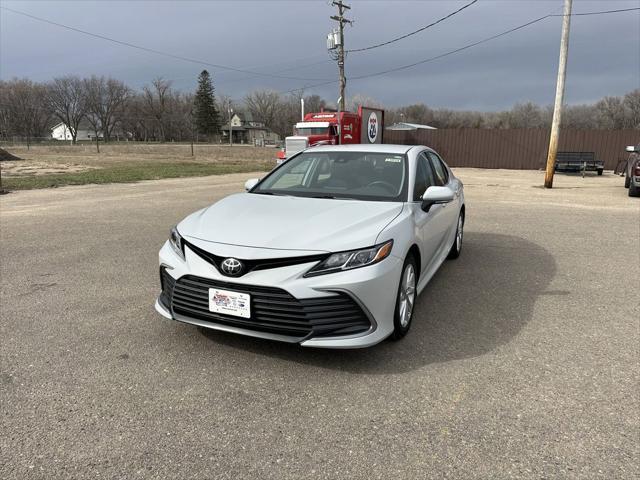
[(232, 267)]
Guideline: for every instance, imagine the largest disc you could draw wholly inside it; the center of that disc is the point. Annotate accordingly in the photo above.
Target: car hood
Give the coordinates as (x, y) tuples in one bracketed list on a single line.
[(290, 223)]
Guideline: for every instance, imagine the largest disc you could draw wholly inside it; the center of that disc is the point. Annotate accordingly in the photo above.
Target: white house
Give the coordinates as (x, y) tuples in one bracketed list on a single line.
[(409, 126), (62, 132), (246, 130)]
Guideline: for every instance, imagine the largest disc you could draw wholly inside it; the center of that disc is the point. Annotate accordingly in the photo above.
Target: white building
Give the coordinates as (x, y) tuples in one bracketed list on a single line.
[(63, 132), (248, 131)]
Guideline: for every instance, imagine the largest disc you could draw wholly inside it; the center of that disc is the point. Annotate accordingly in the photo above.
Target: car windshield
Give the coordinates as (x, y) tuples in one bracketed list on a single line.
[(339, 174), (306, 132)]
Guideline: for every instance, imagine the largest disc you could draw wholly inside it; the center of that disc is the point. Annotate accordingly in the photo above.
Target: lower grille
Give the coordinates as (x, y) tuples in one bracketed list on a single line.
[(273, 310), (167, 282)]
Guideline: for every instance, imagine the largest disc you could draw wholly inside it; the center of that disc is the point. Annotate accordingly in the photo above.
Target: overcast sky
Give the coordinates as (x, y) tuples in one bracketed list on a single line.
[(284, 37)]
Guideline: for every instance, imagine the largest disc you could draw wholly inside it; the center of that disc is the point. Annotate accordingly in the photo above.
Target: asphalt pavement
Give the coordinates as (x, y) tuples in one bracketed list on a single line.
[(522, 362)]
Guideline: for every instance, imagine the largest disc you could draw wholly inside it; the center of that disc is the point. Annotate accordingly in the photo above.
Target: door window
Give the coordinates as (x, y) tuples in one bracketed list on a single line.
[(439, 170), (424, 177)]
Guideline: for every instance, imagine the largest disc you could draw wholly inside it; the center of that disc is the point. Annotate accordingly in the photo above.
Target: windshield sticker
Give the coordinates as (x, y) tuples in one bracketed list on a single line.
[(393, 159)]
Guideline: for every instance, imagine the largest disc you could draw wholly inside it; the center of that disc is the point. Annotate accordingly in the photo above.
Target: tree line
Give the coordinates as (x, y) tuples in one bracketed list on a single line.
[(159, 112), (109, 107), (609, 113)]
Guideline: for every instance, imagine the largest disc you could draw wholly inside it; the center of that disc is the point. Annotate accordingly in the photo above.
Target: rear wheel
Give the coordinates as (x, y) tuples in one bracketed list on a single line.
[(456, 248), (634, 190), (406, 298), (600, 170), (627, 181)]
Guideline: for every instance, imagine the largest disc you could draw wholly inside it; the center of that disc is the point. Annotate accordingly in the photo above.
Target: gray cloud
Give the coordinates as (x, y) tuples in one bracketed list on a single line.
[(281, 37)]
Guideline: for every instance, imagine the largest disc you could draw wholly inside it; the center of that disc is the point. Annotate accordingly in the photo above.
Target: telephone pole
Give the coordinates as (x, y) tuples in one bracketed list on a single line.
[(340, 47), (557, 108)]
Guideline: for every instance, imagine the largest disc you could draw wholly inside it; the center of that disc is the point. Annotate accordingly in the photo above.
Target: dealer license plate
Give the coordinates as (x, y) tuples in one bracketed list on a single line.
[(230, 303)]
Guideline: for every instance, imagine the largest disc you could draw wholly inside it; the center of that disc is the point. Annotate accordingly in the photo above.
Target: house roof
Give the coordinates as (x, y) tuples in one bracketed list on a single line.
[(84, 125), (409, 126), (235, 128)]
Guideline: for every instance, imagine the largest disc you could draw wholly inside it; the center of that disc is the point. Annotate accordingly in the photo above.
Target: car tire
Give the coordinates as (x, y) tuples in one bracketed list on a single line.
[(406, 298), (634, 190), (627, 181), (456, 248), (600, 171)]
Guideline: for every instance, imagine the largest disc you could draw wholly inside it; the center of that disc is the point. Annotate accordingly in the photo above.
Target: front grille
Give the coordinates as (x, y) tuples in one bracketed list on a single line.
[(251, 265), (273, 310)]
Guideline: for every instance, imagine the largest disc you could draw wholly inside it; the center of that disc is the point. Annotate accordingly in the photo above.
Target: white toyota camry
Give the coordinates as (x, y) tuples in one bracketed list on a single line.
[(330, 249)]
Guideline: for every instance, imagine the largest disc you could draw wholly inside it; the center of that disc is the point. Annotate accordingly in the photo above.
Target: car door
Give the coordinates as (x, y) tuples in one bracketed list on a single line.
[(432, 225)]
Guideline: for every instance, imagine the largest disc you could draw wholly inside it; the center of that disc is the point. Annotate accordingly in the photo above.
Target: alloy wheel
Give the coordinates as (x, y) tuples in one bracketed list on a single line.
[(407, 295), (459, 233)]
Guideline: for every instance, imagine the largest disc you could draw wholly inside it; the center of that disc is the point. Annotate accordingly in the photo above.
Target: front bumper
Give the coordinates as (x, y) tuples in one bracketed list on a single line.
[(373, 289)]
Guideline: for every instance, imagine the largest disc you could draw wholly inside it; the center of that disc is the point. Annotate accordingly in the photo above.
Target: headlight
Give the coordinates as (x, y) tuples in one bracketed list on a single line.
[(338, 262), (175, 240)]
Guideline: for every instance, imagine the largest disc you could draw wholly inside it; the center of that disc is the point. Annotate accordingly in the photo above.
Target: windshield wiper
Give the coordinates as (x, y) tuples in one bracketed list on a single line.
[(268, 193), (332, 197)]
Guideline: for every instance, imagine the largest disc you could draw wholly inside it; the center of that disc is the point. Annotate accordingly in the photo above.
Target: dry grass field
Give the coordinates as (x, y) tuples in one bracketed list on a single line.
[(53, 165)]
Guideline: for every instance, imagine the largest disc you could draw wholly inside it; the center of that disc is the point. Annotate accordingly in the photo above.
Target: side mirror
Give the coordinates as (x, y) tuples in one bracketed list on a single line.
[(436, 195), (249, 184), (633, 149)]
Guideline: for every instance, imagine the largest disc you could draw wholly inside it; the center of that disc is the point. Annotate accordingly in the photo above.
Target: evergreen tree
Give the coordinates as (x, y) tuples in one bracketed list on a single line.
[(207, 120)]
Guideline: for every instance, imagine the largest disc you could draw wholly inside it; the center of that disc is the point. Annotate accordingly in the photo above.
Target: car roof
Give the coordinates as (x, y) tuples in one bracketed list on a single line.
[(363, 147)]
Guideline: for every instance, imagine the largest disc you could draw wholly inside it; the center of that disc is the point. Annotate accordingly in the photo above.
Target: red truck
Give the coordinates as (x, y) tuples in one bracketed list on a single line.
[(334, 128)]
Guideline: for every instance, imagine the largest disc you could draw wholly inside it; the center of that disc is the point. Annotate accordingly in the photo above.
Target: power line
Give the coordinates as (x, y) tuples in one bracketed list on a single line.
[(353, 50), (485, 40), (601, 12), (152, 50), (451, 52), (296, 67), (328, 82)]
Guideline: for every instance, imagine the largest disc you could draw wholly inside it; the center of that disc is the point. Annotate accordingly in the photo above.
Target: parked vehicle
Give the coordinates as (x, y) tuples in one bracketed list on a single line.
[(578, 162), (632, 172), (334, 128), (330, 249)]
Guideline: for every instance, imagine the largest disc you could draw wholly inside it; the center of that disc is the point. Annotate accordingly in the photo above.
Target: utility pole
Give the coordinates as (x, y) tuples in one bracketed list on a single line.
[(230, 126), (557, 108), (340, 46)]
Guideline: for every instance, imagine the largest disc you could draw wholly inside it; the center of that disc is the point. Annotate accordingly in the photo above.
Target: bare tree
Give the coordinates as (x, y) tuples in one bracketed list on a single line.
[(580, 117), (156, 99), (314, 103), (360, 100), (288, 114), (610, 111), (264, 106), (66, 99), (106, 99), (631, 102), (23, 109)]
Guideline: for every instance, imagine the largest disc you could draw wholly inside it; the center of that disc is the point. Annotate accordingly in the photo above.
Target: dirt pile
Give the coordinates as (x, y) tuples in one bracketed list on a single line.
[(6, 156)]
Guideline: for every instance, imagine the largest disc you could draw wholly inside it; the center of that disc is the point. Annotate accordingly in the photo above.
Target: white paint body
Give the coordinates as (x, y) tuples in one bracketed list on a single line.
[(251, 226)]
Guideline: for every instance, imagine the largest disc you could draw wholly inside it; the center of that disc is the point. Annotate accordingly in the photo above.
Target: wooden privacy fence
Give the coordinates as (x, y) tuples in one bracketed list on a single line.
[(518, 149)]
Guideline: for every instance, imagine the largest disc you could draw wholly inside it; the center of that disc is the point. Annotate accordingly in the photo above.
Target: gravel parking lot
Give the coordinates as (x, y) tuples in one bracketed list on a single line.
[(523, 360)]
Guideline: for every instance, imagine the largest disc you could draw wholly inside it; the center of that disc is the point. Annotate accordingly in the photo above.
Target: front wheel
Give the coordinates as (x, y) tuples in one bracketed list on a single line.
[(634, 190), (456, 248), (406, 298)]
